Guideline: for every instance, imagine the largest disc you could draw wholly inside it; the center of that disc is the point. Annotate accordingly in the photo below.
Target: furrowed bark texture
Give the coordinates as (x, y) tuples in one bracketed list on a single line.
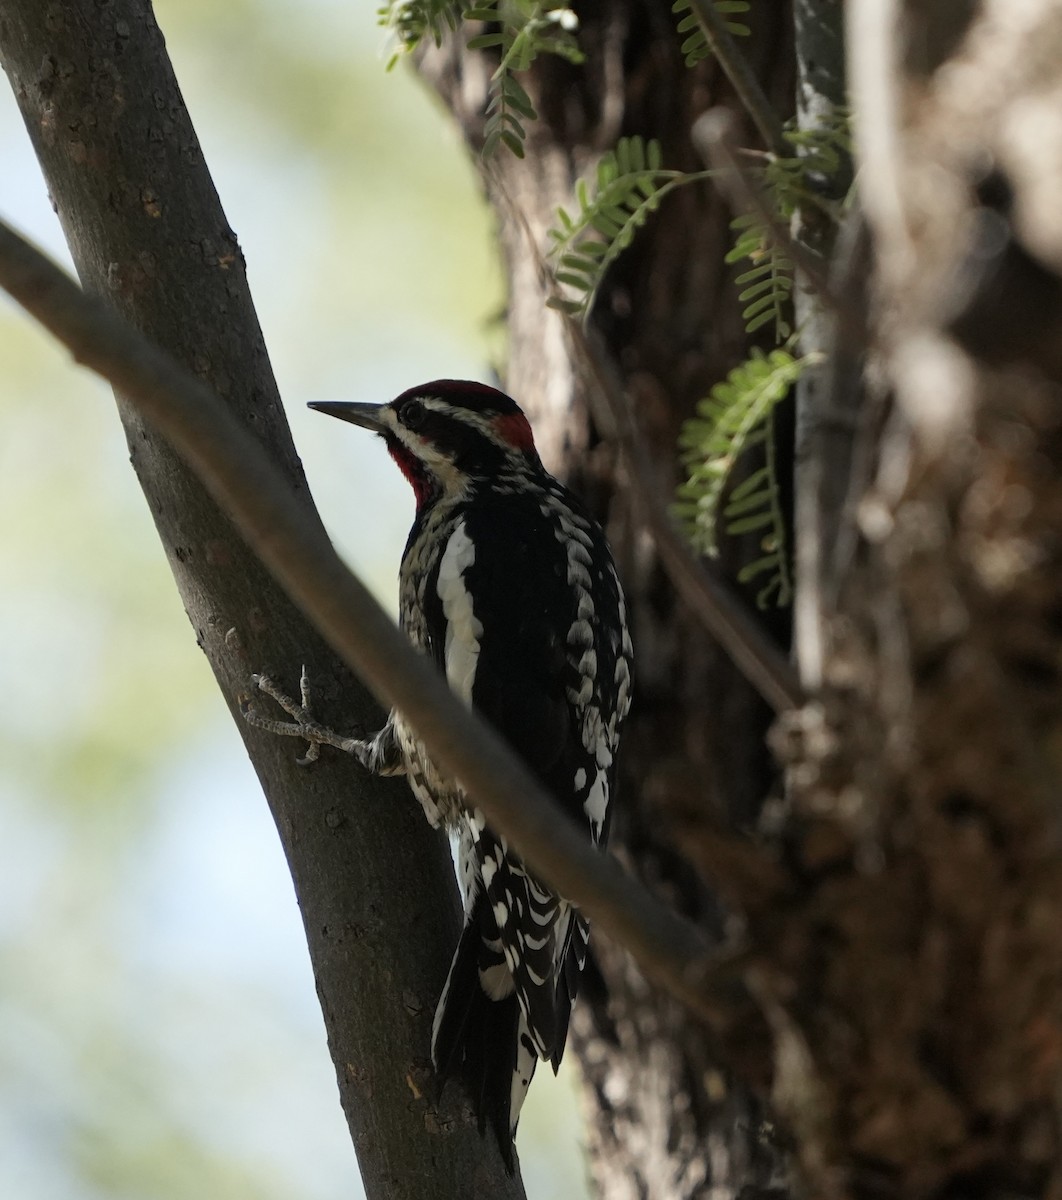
[(667, 1119), (147, 232)]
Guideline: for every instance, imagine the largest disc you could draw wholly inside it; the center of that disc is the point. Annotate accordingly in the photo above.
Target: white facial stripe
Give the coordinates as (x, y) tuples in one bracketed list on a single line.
[(422, 448), (437, 463)]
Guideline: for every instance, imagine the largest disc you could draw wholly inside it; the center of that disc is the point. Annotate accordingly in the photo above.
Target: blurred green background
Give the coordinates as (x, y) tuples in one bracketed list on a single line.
[(159, 1029)]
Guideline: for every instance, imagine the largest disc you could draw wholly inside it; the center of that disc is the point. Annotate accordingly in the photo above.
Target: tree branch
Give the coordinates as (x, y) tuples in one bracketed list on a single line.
[(283, 531), (146, 231), (715, 136)]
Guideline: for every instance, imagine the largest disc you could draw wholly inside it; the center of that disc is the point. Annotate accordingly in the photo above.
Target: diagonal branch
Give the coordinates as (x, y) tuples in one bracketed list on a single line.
[(741, 76), (715, 136), (283, 531)]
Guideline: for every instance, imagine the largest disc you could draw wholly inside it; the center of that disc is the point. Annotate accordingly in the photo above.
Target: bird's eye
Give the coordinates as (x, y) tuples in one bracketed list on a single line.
[(412, 414)]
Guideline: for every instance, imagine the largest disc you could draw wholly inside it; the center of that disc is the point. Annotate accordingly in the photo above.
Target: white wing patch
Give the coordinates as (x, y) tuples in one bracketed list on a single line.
[(596, 804), (463, 629), (497, 981)]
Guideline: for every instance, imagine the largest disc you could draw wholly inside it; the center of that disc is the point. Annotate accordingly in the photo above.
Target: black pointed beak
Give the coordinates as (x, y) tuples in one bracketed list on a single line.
[(365, 415)]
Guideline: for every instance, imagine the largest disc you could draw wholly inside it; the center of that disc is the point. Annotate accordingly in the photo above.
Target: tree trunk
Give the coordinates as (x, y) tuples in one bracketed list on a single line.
[(146, 232), (666, 1117)]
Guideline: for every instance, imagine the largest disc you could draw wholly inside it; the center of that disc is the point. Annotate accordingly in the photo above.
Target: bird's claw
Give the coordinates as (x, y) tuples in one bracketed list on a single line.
[(303, 725)]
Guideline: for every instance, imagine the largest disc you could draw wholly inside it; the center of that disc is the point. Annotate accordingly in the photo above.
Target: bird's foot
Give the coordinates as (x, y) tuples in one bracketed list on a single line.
[(302, 726)]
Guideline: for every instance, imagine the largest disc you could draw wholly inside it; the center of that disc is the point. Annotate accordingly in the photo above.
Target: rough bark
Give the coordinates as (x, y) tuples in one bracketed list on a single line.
[(147, 232), (666, 1117)]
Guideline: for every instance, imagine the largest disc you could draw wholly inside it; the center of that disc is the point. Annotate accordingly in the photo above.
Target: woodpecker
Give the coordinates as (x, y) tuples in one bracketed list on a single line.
[(507, 583)]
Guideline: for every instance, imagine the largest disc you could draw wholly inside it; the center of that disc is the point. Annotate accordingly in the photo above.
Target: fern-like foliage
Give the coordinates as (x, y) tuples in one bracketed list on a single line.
[(732, 419), (521, 31), (410, 21), (696, 47), (517, 30), (629, 184), (818, 154), (766, 287)]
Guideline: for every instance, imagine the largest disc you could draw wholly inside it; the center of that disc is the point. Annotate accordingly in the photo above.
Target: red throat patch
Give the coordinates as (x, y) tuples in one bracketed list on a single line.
[(411, 468), (514, 429)]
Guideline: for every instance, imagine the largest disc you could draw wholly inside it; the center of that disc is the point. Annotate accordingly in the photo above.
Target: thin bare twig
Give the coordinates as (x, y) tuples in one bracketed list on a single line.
[(741, 76), (283, 531), (715, 136)]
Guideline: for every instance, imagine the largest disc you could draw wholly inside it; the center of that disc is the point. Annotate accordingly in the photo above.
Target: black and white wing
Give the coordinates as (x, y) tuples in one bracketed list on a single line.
[(549, 666)]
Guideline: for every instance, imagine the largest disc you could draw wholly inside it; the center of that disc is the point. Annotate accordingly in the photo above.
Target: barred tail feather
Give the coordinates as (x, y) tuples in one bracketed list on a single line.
[(482, 1040), (571, 960)]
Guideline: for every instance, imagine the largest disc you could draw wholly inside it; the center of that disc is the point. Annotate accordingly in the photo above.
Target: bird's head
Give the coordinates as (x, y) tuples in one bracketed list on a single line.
[(446, 434)]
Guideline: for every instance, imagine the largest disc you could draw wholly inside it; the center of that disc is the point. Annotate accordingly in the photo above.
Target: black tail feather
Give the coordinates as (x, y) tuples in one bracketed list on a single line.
[(573, 957), (456, 1003), (476, 1038)]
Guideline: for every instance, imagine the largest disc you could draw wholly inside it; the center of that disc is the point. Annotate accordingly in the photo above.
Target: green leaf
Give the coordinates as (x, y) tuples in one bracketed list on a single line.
[(571, 307), (758, 322), (748, 524), (750, 570), (521, 31), (733, 418), (606, 225), (513, 141), (583, 263), (517, 98), (696, 47), (758, 288), (628, 185), (485, 41)]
